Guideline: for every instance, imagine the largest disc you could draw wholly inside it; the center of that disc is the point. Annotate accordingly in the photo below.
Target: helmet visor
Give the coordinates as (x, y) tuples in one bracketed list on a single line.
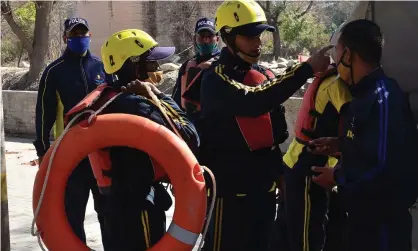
[(254, 29), (160, 53)]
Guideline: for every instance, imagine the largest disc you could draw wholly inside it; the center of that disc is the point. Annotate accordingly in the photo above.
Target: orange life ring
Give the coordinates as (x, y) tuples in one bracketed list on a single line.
[(122, 130)]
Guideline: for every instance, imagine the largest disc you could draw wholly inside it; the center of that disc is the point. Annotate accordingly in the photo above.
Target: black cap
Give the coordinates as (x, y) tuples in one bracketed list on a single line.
[(70, 23), (205, 24)]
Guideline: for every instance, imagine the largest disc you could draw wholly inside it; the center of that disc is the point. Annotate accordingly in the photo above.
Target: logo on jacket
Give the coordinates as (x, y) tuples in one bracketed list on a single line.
[(99, 79), (350, 134), (352, 122)]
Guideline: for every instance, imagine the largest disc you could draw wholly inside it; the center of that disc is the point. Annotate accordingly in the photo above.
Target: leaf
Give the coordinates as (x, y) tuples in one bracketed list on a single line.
[(26, 13)]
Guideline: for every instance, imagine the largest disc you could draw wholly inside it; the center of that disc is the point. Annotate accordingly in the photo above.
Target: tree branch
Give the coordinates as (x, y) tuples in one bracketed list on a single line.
[(279, 10), (16, 29), (306, 11), (15, 8), (276, 16), (262, 6)]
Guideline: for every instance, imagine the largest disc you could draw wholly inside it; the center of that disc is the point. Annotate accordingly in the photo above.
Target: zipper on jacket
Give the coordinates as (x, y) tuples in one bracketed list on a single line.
[(84, 76)]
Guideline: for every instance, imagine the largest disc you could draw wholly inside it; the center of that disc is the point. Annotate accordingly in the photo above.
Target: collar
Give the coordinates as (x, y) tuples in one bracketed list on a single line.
[(367, 82), (229, 59), (70, 55), (203, 58)]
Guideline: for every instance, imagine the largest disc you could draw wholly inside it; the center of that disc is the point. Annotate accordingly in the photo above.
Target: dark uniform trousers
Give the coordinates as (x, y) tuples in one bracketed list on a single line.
[(384, 231), (306, 207), (228, 231), (80, 182), (136, 229)]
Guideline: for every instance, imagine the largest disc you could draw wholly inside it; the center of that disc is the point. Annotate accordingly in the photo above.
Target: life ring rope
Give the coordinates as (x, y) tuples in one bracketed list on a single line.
[(37, 233), (212, 206), (174, 230)]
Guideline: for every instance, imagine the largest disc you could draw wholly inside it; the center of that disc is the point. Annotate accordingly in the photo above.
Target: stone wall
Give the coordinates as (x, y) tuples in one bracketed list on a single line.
[(19, 113)]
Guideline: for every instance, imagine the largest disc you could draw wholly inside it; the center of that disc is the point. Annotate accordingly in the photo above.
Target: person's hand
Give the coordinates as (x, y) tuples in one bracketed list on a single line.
[(324, 146), (319, 61), (325, 178), (40, 159), (141, 88)]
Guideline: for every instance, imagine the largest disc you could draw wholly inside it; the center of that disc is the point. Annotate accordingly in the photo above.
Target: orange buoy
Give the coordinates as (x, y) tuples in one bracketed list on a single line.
[(108, 130)]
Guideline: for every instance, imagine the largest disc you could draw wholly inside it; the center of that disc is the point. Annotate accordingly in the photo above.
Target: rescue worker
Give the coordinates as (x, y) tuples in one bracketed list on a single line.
[(136, 217), (206, 42), (379, 147), (64, 83), (306, 202), (243, 125)]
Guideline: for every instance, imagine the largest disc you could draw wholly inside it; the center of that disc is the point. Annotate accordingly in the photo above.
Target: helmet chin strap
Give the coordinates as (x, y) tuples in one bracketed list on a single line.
[(247, 58)]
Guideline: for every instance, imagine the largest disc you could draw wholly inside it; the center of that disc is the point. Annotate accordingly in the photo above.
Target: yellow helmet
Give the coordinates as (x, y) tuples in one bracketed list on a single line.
[(237, 13), (129, 43)]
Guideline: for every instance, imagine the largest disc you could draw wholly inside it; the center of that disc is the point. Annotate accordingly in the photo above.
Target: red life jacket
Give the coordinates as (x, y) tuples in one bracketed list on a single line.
[(308, 115), (100, 160), (258, 131), (191, 75)]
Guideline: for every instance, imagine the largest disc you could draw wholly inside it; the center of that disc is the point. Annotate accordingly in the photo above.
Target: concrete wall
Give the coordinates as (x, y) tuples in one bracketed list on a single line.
[(169, 22), (108, 17), (19, 113)]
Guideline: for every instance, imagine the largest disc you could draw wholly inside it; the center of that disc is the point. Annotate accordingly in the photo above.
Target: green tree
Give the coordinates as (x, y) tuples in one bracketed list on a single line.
[(302, 34), (25, 18), (275, 11), (333, 13), (37, 48)]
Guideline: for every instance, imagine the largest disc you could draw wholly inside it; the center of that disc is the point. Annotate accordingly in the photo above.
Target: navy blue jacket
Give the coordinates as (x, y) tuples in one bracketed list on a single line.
[(132, 170), (194, 115), (380, 146), (64, 83), (223, 98)]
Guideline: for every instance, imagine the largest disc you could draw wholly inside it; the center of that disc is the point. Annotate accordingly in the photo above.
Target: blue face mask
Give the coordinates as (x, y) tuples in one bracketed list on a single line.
[(206, 49), (78, 45)]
